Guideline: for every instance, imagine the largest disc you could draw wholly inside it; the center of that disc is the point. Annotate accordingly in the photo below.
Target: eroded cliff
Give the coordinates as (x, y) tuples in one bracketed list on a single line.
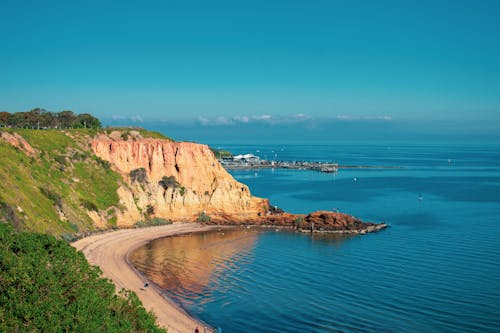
[(180, 181), (71, 182)]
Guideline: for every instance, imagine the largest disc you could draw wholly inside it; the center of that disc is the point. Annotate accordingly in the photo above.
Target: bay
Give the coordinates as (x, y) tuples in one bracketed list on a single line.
[(434, 270)]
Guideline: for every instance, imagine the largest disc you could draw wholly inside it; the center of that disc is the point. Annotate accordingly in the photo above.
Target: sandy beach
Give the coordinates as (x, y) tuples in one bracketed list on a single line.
[(110, 250)]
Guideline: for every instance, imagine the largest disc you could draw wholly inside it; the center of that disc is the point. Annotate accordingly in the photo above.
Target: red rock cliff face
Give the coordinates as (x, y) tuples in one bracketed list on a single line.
[(203, 184)]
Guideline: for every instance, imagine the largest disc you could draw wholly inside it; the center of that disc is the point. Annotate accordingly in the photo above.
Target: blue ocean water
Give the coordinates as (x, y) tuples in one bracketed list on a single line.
[(434, 270)]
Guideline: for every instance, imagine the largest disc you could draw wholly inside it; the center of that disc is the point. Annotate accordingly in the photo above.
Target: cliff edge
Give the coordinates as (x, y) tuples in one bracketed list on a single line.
[(179, 181), (71, 182)]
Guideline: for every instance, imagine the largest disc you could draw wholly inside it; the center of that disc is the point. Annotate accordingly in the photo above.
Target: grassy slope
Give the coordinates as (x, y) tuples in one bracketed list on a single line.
[(45, 284), (64, 176)]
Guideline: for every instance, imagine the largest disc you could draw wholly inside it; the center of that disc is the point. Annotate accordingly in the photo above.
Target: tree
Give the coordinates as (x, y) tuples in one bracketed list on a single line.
[(39, 118), (18, 119), (4, 118), (67, 119), (86, 120)]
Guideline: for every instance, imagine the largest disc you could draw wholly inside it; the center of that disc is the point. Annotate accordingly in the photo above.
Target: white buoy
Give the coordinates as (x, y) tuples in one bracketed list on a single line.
[(355, 179)]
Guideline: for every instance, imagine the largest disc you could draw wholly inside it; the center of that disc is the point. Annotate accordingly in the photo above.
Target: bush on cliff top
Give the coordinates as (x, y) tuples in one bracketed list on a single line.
[(47, 286)]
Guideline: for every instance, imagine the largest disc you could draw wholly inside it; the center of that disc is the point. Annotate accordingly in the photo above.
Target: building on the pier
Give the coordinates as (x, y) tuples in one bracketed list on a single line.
[(247, 158)]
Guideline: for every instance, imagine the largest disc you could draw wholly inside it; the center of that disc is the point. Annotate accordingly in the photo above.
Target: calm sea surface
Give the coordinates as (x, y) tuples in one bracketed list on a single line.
[(436, 269)]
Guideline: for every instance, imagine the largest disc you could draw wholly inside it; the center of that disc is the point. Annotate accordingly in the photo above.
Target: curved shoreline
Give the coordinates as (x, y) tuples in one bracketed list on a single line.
[(110, 252)]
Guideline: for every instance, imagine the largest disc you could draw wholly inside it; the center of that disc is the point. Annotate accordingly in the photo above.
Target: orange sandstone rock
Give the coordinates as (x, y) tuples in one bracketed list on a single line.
[(18, 141), (203, 185)]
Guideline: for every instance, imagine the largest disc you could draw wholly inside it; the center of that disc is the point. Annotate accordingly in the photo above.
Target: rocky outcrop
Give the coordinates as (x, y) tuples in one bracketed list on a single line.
[(180, 181), (319, 221), (19, 142)]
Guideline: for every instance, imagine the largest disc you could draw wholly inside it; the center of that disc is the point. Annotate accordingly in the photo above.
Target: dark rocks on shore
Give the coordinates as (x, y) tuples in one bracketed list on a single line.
[(319, 221)]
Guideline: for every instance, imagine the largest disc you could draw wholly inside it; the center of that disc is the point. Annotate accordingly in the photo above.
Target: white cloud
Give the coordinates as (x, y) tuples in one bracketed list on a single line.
[(347, 117), (253, 119), (301, 116), (377, 118), (241, 119), (222, 121), (262, 117), (136, 119), (204, 121), (116, 117)]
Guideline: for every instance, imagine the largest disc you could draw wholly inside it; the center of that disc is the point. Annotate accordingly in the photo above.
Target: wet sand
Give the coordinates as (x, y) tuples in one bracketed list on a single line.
[(110, 252)]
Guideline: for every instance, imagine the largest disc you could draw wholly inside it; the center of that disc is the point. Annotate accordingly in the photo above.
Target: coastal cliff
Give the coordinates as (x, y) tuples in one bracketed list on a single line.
[(179, 181), (70, 182)]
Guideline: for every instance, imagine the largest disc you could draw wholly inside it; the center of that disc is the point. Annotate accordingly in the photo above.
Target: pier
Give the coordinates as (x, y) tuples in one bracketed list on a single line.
[(252, 162), (265, 164)]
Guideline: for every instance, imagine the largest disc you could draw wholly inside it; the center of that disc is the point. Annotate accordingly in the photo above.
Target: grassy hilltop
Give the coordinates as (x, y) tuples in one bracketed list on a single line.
[(52, 190)]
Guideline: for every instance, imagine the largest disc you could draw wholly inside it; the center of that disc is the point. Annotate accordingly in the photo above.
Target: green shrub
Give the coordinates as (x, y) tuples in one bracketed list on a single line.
[(61, 159), (68, 237), (112, 221), (51, 195), (153, 222), (203, 218), (298, 220), (168, 181), (139, 175), (150, 210), (74, 227), (89, 205), (105, 164), (48, 286)]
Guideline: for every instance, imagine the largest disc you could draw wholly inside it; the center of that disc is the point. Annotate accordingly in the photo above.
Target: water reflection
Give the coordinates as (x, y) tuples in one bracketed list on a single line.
[(190, 266)]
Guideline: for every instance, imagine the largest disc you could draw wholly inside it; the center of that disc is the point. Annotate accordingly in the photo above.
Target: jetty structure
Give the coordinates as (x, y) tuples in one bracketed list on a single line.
[(251, 162)]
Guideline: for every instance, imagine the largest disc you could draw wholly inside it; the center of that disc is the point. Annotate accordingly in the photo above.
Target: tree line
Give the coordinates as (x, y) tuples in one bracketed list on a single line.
[(42, 119)]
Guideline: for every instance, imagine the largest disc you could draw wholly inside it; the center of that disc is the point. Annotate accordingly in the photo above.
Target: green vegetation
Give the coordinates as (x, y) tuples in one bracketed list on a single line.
[(42, 119), (150, 210), (139, 175), (153, 135), (168, 181), (182, 191), (298, 221), (203, 218), (52, 190), (152, 222), (47, 286), (221, 153), (127, 133), (53, 196)]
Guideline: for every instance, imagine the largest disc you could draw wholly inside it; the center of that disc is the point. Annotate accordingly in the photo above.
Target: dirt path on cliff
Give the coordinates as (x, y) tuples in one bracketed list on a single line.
[(110, 250)]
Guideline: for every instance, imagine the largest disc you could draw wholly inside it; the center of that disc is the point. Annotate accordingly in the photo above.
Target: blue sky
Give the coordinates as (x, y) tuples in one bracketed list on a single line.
[(217, 66)]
